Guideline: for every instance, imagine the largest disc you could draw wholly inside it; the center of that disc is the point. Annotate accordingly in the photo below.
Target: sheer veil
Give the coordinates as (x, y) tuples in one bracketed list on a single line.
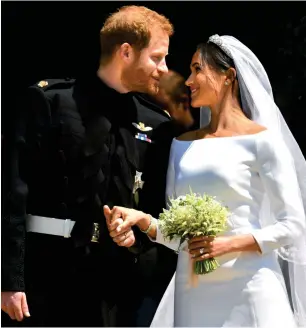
[(258, 103)]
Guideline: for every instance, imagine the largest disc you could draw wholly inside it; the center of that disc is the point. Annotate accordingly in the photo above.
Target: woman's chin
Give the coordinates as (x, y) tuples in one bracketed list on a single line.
[(196, 104)]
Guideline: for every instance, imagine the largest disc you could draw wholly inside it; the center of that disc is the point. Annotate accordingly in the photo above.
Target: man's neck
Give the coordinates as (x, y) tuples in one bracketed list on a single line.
[(110, 75)]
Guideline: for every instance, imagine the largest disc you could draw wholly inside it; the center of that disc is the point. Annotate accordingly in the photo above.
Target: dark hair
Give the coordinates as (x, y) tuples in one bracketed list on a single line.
[(177, 88), (173, 85), (216, 58)]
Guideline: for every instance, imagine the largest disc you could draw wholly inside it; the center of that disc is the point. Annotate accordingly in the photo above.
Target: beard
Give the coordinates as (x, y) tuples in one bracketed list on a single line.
[(137, 79)]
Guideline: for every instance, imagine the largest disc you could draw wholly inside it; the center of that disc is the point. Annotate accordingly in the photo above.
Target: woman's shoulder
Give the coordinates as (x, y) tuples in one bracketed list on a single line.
[(193, 135), (255, 128), (186, 136), (251, 129)]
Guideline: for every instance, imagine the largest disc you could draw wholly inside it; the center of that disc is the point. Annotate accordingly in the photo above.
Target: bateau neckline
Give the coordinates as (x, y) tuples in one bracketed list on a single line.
[(231, 137)]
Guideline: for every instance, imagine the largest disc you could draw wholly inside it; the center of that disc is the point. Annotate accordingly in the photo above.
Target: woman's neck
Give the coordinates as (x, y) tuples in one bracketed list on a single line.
[(227, 115), (229, 119)]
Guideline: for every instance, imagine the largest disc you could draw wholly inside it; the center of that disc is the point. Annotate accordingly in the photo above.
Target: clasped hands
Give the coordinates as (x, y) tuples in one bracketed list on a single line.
[(120, 221)]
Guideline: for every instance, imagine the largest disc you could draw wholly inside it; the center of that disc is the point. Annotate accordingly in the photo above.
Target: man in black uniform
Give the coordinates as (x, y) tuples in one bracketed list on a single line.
[(79, 145)]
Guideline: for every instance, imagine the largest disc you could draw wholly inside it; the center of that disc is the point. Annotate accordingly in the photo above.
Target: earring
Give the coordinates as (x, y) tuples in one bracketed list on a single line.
[(226, 83)]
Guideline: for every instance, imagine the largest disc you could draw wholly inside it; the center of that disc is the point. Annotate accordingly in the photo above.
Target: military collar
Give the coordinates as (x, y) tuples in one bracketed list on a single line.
[(103, 89), (116, 106), (149, 100)]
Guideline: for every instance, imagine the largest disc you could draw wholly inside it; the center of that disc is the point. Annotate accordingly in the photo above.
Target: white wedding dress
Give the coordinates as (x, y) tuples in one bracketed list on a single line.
[(248, 289)]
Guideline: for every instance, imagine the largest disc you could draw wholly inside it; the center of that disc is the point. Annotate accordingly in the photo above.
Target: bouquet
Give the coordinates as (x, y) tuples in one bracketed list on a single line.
[(191, 216)]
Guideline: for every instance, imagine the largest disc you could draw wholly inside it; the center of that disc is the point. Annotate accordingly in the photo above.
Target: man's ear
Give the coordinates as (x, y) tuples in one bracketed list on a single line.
[(126, 52)]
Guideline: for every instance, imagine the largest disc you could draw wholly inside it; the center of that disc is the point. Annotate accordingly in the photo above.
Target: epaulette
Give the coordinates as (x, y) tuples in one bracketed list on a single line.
[(50, 84)]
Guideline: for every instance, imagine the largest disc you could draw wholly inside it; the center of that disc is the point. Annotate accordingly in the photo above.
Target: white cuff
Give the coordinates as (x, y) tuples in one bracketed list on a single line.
[(265, 240)]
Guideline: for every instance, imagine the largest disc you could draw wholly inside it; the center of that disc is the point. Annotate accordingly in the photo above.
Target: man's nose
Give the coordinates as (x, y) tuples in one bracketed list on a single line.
[(163, 67)]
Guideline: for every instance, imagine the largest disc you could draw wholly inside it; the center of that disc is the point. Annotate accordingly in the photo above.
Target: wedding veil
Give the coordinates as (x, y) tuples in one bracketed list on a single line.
[(258, 102)]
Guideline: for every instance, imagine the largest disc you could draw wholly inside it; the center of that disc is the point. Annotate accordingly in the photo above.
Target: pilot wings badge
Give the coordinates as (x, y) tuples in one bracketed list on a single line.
[(142, 136), (141, 126)]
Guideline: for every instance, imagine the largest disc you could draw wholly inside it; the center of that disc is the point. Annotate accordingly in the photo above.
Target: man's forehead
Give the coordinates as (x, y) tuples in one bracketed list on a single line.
[(159, 38)]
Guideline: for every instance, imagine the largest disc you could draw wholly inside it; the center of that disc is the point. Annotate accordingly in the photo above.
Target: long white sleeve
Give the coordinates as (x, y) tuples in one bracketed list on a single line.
[(277, 171)]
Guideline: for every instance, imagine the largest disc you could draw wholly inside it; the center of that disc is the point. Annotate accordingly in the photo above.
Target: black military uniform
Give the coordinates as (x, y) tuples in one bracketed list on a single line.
[(78, 146)]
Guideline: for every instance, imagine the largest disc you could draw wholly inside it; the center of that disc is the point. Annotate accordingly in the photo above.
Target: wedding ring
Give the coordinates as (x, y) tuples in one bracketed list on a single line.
[(202, 251)]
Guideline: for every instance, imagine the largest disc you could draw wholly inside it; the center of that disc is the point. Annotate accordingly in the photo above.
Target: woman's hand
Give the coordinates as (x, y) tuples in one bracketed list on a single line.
[(205, 247), (120, 221)]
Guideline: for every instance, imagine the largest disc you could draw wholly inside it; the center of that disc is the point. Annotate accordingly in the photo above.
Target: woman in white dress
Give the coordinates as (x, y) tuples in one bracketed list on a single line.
[(247, 158)]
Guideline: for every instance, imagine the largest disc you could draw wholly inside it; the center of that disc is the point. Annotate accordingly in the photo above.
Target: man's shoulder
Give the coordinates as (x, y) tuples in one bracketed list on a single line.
[(51, 101), (43, 92), (168, 130), (54, 84), (53, 93), (145, 101)]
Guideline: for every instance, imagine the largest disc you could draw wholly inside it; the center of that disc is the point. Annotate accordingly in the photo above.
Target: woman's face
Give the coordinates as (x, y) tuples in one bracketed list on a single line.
[(205, 83)]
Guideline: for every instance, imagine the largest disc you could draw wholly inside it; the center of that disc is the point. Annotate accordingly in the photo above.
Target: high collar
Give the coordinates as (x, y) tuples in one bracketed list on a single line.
[(119, 107), (101, 88), (104, 99)]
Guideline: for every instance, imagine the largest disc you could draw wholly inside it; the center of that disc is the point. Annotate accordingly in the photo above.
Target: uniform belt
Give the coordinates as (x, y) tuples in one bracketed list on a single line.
[(55, 227)]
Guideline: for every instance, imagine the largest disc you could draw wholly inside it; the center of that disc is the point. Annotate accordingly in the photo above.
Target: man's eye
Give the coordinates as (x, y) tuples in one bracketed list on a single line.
[(157, 58)]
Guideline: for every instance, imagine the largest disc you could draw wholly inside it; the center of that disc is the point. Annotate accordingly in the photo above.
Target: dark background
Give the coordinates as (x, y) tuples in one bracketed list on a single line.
[(61, 39)]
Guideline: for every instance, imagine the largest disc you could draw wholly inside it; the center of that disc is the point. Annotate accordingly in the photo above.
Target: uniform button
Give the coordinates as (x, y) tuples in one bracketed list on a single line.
[(62, 155), (64, 206), (135, 260)]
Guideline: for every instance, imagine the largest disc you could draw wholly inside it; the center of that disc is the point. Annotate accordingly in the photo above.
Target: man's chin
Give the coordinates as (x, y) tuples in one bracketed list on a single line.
[(153, 89)]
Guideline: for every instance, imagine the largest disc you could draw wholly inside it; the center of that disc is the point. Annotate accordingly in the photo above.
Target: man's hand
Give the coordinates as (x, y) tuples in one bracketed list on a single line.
[(15, 305), (124, 237)]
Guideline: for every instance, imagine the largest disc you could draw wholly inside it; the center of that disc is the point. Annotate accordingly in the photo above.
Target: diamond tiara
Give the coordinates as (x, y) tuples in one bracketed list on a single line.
[(216, 39)]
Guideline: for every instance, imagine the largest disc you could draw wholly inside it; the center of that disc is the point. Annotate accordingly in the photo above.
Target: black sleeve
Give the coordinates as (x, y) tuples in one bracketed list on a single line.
[(14, 197)]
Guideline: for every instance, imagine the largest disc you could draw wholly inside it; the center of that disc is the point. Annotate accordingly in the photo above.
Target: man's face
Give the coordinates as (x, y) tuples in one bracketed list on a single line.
[(143, 74)]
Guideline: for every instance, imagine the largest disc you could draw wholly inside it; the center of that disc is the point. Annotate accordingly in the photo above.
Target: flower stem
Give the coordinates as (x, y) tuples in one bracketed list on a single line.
[(205, 266)]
